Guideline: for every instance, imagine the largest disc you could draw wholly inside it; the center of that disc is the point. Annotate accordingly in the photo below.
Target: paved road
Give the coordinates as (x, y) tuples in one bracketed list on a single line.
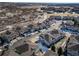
[(62, 14)]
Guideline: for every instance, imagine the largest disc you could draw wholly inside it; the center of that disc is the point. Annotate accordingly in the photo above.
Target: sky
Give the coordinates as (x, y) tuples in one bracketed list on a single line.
[(43, 1)]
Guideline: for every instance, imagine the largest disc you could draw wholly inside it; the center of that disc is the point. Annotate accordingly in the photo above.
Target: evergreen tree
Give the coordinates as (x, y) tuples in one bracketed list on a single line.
[(53, 48), (60, 51)]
